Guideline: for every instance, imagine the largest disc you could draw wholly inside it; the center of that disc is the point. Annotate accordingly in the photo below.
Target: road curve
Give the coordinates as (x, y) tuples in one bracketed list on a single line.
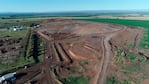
[(107, 52)]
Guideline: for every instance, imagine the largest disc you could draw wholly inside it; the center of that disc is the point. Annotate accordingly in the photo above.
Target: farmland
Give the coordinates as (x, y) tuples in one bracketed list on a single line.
[(12, 43), (17, 45)]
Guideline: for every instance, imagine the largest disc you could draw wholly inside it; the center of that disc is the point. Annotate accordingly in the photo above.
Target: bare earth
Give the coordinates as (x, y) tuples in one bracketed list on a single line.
[(70, 44)]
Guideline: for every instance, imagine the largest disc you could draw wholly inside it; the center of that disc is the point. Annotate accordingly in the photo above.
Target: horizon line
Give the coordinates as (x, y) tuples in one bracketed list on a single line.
[(73, 11)]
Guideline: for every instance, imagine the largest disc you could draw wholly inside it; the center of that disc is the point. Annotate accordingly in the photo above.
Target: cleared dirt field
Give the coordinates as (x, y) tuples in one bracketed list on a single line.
[(80, 49)]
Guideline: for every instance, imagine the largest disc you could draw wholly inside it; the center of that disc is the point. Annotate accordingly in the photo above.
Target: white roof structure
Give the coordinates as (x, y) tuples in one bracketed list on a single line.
[(1, 79), (7, 76)]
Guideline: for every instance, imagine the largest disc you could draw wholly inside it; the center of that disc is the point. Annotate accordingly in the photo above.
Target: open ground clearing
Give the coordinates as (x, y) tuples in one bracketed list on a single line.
[(83, 51), (86, 52)]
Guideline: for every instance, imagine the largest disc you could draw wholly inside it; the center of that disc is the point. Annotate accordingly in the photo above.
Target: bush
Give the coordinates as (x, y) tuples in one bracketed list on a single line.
[(75, 80)]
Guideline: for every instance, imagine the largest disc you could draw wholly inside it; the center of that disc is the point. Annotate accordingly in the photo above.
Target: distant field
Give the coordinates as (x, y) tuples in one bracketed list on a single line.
[(7, 23), (133, 23), (14, 34), (125, 16)]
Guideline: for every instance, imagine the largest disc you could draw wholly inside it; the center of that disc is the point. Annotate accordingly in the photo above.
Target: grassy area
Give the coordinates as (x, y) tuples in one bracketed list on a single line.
[(20, 60), (113, 80), (7, 23), (41, 50), (133, 23), (72, 72), (14, 33), (75, 80), (35, 49), (86, 62), (125, 56), (129, 65), (14, 65)]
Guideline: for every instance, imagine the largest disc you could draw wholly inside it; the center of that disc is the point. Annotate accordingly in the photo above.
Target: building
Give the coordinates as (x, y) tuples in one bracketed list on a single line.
[(8, 77), (18, 29), (33, 25), (1, 79)]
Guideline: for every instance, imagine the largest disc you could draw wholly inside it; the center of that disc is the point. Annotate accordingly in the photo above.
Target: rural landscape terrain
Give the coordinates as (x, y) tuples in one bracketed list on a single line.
[(74, 48)]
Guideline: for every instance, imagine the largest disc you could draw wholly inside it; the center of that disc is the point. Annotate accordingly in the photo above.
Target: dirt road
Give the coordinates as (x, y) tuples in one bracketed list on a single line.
[(107, 52), (46, 68)]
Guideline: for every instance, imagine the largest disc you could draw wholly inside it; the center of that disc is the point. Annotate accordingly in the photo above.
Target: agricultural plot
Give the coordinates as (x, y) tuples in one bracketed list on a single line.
[(16, 46), (22, 46), (11, 47)]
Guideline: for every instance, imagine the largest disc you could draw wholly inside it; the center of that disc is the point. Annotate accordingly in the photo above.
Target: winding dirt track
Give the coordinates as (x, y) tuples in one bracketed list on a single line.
[(45, 68), (107, 52)]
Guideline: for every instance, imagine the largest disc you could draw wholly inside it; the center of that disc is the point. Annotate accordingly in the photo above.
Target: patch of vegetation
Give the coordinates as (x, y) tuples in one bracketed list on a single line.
[(124, 55), (113, 80), (142, 59), (35, 49), (7, 66), (132, 56), (145, 40), (72, 72), (20, 61), (85, 62), (8, 23), (130, 45), (14, 33), (119, 58), (23, 60), (119, 52), (75, 80)]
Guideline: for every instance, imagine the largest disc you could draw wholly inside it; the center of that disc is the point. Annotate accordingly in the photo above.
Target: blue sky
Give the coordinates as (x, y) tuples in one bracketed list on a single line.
[(70, 5)]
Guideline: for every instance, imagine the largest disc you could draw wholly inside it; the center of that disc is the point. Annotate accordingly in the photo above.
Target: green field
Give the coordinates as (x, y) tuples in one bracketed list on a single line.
[(75, 80), (132, 23), (8, 23), (20, 61), (14, 33)]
